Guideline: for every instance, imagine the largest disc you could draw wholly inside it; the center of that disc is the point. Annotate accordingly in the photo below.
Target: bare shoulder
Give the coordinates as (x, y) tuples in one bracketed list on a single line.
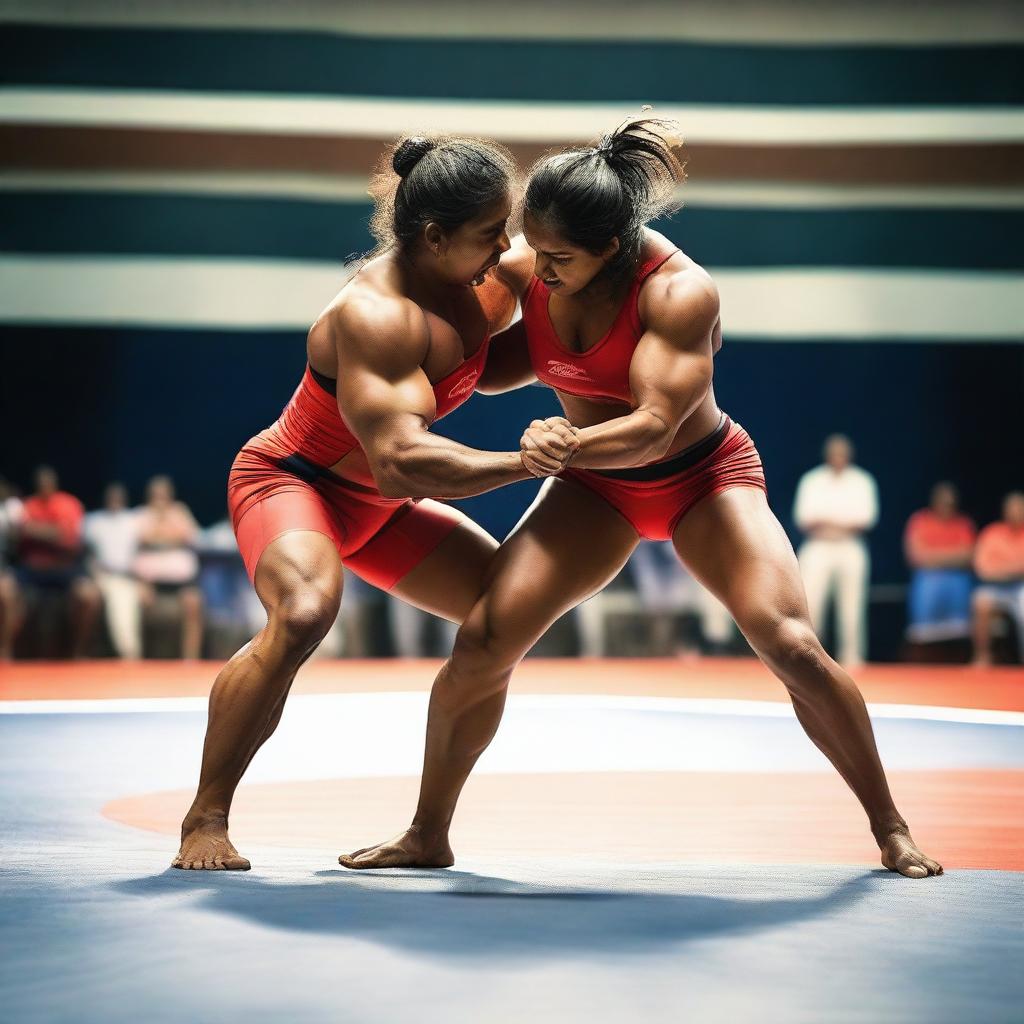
[(515, 268), (370, 322), (680, 296)]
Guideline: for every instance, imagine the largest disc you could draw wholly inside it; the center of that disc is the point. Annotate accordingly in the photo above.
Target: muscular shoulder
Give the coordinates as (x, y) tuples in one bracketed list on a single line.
[(515, 268), (680, 300), (371, 325)]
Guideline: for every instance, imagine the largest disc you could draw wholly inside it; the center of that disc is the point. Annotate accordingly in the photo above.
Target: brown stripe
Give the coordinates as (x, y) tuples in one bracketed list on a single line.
[(49, 147)]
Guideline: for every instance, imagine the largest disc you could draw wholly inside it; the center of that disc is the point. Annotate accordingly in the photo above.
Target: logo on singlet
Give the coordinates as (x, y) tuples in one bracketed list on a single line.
[(463, 386), (559, 369)]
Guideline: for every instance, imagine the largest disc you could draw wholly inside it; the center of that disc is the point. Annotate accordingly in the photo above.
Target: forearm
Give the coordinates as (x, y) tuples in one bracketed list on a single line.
[(434, 466), (625, 441)]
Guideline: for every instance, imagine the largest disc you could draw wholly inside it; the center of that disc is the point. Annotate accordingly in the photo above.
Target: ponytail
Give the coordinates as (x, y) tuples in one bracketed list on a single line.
[(610, 190)]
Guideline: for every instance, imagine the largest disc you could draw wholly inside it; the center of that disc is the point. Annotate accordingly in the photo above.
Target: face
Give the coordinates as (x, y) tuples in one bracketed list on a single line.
[(1013, 509), (563, 267), (838, 454), (944, 500), (160, 491), (46, 480), (116, 497), (468, 252)]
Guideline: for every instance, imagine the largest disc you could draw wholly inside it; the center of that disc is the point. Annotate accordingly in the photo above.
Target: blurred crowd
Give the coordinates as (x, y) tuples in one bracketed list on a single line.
[(148, 581)]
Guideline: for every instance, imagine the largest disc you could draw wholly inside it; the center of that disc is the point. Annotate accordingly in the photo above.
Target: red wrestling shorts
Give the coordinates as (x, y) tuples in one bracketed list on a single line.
[(655, 497), (380, 539)]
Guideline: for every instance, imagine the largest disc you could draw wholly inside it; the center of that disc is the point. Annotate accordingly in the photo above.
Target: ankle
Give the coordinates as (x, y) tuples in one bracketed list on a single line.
[(205, 817), (889, 825)]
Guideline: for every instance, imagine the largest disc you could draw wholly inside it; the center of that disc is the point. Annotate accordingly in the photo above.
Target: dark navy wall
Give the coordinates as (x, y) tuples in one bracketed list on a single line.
[(104, 404)]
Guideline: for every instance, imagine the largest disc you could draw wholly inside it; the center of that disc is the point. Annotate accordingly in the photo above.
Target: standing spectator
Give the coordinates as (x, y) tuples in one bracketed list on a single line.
[(167, 562), (999, 563), (11, 511), (112, 534), (938, 542), (835, 504), (49, 555)]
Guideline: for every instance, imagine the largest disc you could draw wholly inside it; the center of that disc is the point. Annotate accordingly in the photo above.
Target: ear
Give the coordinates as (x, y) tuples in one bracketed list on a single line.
[(436, 239), (610, 249)]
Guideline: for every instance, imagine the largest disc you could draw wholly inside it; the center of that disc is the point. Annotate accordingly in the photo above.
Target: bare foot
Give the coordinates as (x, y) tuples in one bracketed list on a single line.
[(408, 850), (205, 846), (900, 853)]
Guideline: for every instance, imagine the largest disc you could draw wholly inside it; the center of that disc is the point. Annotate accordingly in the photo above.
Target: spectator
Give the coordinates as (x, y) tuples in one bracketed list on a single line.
[(939, 542), (50, 557), (410, 629), (667, 589), (167, 562), (999, 563), (10, 516), (835, 504), (112, 535)]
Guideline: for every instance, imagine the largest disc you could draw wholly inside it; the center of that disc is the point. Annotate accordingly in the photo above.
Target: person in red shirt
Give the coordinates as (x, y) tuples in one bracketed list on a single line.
[(939, 541), (49, 556), (999, 563)]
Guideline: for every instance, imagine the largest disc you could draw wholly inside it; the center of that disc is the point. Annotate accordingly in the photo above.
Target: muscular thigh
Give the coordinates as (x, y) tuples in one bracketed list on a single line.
[(451, 578), (567, 546), (299, 562), (734, 545)]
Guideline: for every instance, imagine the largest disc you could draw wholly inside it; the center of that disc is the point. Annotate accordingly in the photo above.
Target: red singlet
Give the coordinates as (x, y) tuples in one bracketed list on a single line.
[(279, 482), (653, 498)]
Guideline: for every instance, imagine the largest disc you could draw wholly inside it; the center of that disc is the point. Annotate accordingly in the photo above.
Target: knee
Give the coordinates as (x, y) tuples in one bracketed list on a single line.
[(982, 604), (791, 645), (485, 646), (304, 618)]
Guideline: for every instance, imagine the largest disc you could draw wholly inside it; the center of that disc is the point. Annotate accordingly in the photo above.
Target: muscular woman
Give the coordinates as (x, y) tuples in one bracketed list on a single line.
[(344, 476), (624, 327)]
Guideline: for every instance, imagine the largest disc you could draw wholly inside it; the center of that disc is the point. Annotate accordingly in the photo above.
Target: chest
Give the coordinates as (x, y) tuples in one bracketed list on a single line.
[(456, 334), (579, 327)]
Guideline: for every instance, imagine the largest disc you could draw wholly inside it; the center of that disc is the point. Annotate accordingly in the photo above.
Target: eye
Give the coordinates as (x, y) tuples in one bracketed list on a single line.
[(560, 260)]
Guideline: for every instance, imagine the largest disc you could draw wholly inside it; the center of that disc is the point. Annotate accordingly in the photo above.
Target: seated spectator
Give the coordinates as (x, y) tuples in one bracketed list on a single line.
[(167, 562), (49, 556), (10, 517), (939, 543), (112, 535), (666, 589), (999, 563)]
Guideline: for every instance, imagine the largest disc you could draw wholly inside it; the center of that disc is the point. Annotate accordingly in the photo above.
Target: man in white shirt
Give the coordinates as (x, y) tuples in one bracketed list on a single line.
[(835, 505), (112, 535)]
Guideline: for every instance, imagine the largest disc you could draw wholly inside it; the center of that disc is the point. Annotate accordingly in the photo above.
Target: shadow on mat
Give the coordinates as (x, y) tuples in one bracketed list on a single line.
[(476, 915)]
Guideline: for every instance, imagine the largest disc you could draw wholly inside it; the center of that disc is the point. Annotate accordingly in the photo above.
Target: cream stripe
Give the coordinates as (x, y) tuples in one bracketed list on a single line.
[(353, 188), (784, 21), (763, 304), (510, 122)]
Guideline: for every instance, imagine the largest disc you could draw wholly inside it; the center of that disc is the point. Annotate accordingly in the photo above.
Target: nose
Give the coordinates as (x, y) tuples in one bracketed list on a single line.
[(541, 267), (503, 243)]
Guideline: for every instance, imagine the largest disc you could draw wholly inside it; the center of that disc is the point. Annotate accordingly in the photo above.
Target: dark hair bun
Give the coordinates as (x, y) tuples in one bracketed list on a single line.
[(409, 153)]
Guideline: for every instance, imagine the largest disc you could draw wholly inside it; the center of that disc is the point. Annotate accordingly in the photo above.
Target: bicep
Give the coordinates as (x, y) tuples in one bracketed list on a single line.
[(668, 379), (382, 408)]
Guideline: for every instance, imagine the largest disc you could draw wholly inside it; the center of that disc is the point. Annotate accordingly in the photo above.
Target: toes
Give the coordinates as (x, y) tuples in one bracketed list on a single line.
[(237, 864)]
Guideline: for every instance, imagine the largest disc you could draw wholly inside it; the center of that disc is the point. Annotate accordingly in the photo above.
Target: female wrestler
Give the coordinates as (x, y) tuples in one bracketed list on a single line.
[(624, 327), (331, 482)]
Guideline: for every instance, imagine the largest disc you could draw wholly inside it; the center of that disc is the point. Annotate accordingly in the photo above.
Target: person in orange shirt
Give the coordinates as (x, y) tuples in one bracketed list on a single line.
[(939, 542), (49, 556), (999, 563)]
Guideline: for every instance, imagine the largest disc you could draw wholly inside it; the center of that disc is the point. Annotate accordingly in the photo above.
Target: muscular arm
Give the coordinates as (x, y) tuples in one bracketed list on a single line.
[(388, 402), (508, 358), (669, 376)]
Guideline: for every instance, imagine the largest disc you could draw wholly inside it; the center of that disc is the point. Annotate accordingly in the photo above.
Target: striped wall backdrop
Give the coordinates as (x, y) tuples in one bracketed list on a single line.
[(181, 184)]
